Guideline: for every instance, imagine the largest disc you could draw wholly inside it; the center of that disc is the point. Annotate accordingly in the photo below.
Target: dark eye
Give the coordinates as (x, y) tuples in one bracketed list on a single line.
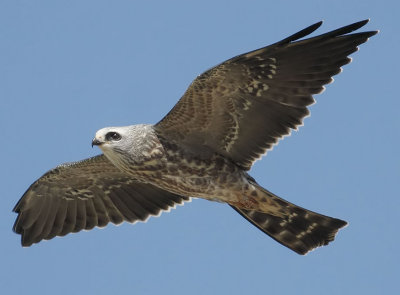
[(113, 136)]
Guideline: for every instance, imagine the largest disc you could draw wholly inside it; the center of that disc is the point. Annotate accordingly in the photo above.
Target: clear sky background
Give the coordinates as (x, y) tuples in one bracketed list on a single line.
[(69, 68)]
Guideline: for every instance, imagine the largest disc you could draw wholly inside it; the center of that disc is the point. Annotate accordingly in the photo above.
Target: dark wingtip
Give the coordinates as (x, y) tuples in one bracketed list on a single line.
[(371, 33), (357, 25), (341, 31), (349, 28), (304, 32), (342, 223), (346, 29), (360, 24)]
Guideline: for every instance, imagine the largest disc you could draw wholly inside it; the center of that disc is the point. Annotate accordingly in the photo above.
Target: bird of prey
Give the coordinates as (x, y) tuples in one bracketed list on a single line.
[(204, 147)]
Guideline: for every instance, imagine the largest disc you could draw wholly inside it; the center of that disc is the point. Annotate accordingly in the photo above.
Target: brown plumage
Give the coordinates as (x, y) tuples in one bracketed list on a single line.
[(85, 194), (228, 118)]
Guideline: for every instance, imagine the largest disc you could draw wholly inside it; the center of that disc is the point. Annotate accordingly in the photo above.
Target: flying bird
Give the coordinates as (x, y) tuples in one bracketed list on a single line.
[(204, 147)]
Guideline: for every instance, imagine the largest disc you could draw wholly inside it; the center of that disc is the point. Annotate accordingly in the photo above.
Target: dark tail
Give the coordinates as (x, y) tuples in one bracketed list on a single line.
[(300, 230)]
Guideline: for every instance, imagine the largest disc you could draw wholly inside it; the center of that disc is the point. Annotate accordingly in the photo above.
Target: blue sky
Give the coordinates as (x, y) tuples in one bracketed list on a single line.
[(69, 68)]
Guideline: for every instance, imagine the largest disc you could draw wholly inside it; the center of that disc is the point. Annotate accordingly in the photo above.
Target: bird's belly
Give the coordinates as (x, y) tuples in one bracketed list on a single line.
[(215, 179), (207, 187), (211, 181)]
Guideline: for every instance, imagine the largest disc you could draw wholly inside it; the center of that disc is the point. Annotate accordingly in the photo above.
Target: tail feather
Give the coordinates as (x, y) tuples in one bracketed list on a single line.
[(300, 230)]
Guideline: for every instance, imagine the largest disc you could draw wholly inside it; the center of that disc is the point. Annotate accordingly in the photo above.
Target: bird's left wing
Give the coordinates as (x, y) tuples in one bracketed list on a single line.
[(85, 194), (242, 107)]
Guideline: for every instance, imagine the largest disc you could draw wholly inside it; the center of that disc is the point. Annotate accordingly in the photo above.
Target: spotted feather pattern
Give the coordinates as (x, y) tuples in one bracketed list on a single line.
[(299, 229), (228, 117), (242, 107), (83, 195)]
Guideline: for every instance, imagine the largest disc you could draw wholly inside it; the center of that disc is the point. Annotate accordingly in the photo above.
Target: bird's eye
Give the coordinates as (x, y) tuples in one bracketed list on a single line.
[(113, 136)]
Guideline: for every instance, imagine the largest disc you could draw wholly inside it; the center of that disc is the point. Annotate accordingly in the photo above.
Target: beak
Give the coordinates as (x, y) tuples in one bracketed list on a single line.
[(95, 141)]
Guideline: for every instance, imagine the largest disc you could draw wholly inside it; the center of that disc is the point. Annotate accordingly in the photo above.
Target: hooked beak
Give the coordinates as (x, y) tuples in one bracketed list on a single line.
[(95, 141)]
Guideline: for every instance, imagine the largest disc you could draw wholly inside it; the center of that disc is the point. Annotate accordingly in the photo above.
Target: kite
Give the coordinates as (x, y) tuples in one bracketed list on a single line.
[(204, 147)]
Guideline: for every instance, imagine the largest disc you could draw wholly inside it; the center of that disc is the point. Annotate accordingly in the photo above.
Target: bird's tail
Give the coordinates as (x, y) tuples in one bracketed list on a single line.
[(299, 229)]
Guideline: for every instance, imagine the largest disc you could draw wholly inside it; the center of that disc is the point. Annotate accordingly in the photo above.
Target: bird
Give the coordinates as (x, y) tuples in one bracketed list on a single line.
[(228, 118)]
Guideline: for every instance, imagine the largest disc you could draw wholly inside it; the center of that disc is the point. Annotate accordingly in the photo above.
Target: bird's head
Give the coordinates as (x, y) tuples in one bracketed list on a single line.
[(119, 143), (114, 141), (108, 137)]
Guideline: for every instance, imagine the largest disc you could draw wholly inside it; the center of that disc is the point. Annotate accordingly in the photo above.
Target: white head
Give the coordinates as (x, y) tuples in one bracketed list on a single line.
[(122, 144)]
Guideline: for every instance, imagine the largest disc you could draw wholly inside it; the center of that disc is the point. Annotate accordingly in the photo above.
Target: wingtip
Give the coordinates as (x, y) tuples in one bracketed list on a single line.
[(320, 22), (302, 33), (365, 21), (317, 24), (313, 27), (344, 224), (356, 25), (362, 23), (373, 33), (310, 29)]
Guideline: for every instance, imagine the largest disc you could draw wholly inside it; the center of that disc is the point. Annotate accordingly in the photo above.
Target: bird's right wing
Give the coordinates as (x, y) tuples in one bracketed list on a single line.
[(85, 194), (242, 107)]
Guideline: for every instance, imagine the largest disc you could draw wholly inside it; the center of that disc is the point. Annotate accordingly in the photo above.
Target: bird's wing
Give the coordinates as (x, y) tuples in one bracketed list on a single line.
[(85, 194), (242, 107)]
